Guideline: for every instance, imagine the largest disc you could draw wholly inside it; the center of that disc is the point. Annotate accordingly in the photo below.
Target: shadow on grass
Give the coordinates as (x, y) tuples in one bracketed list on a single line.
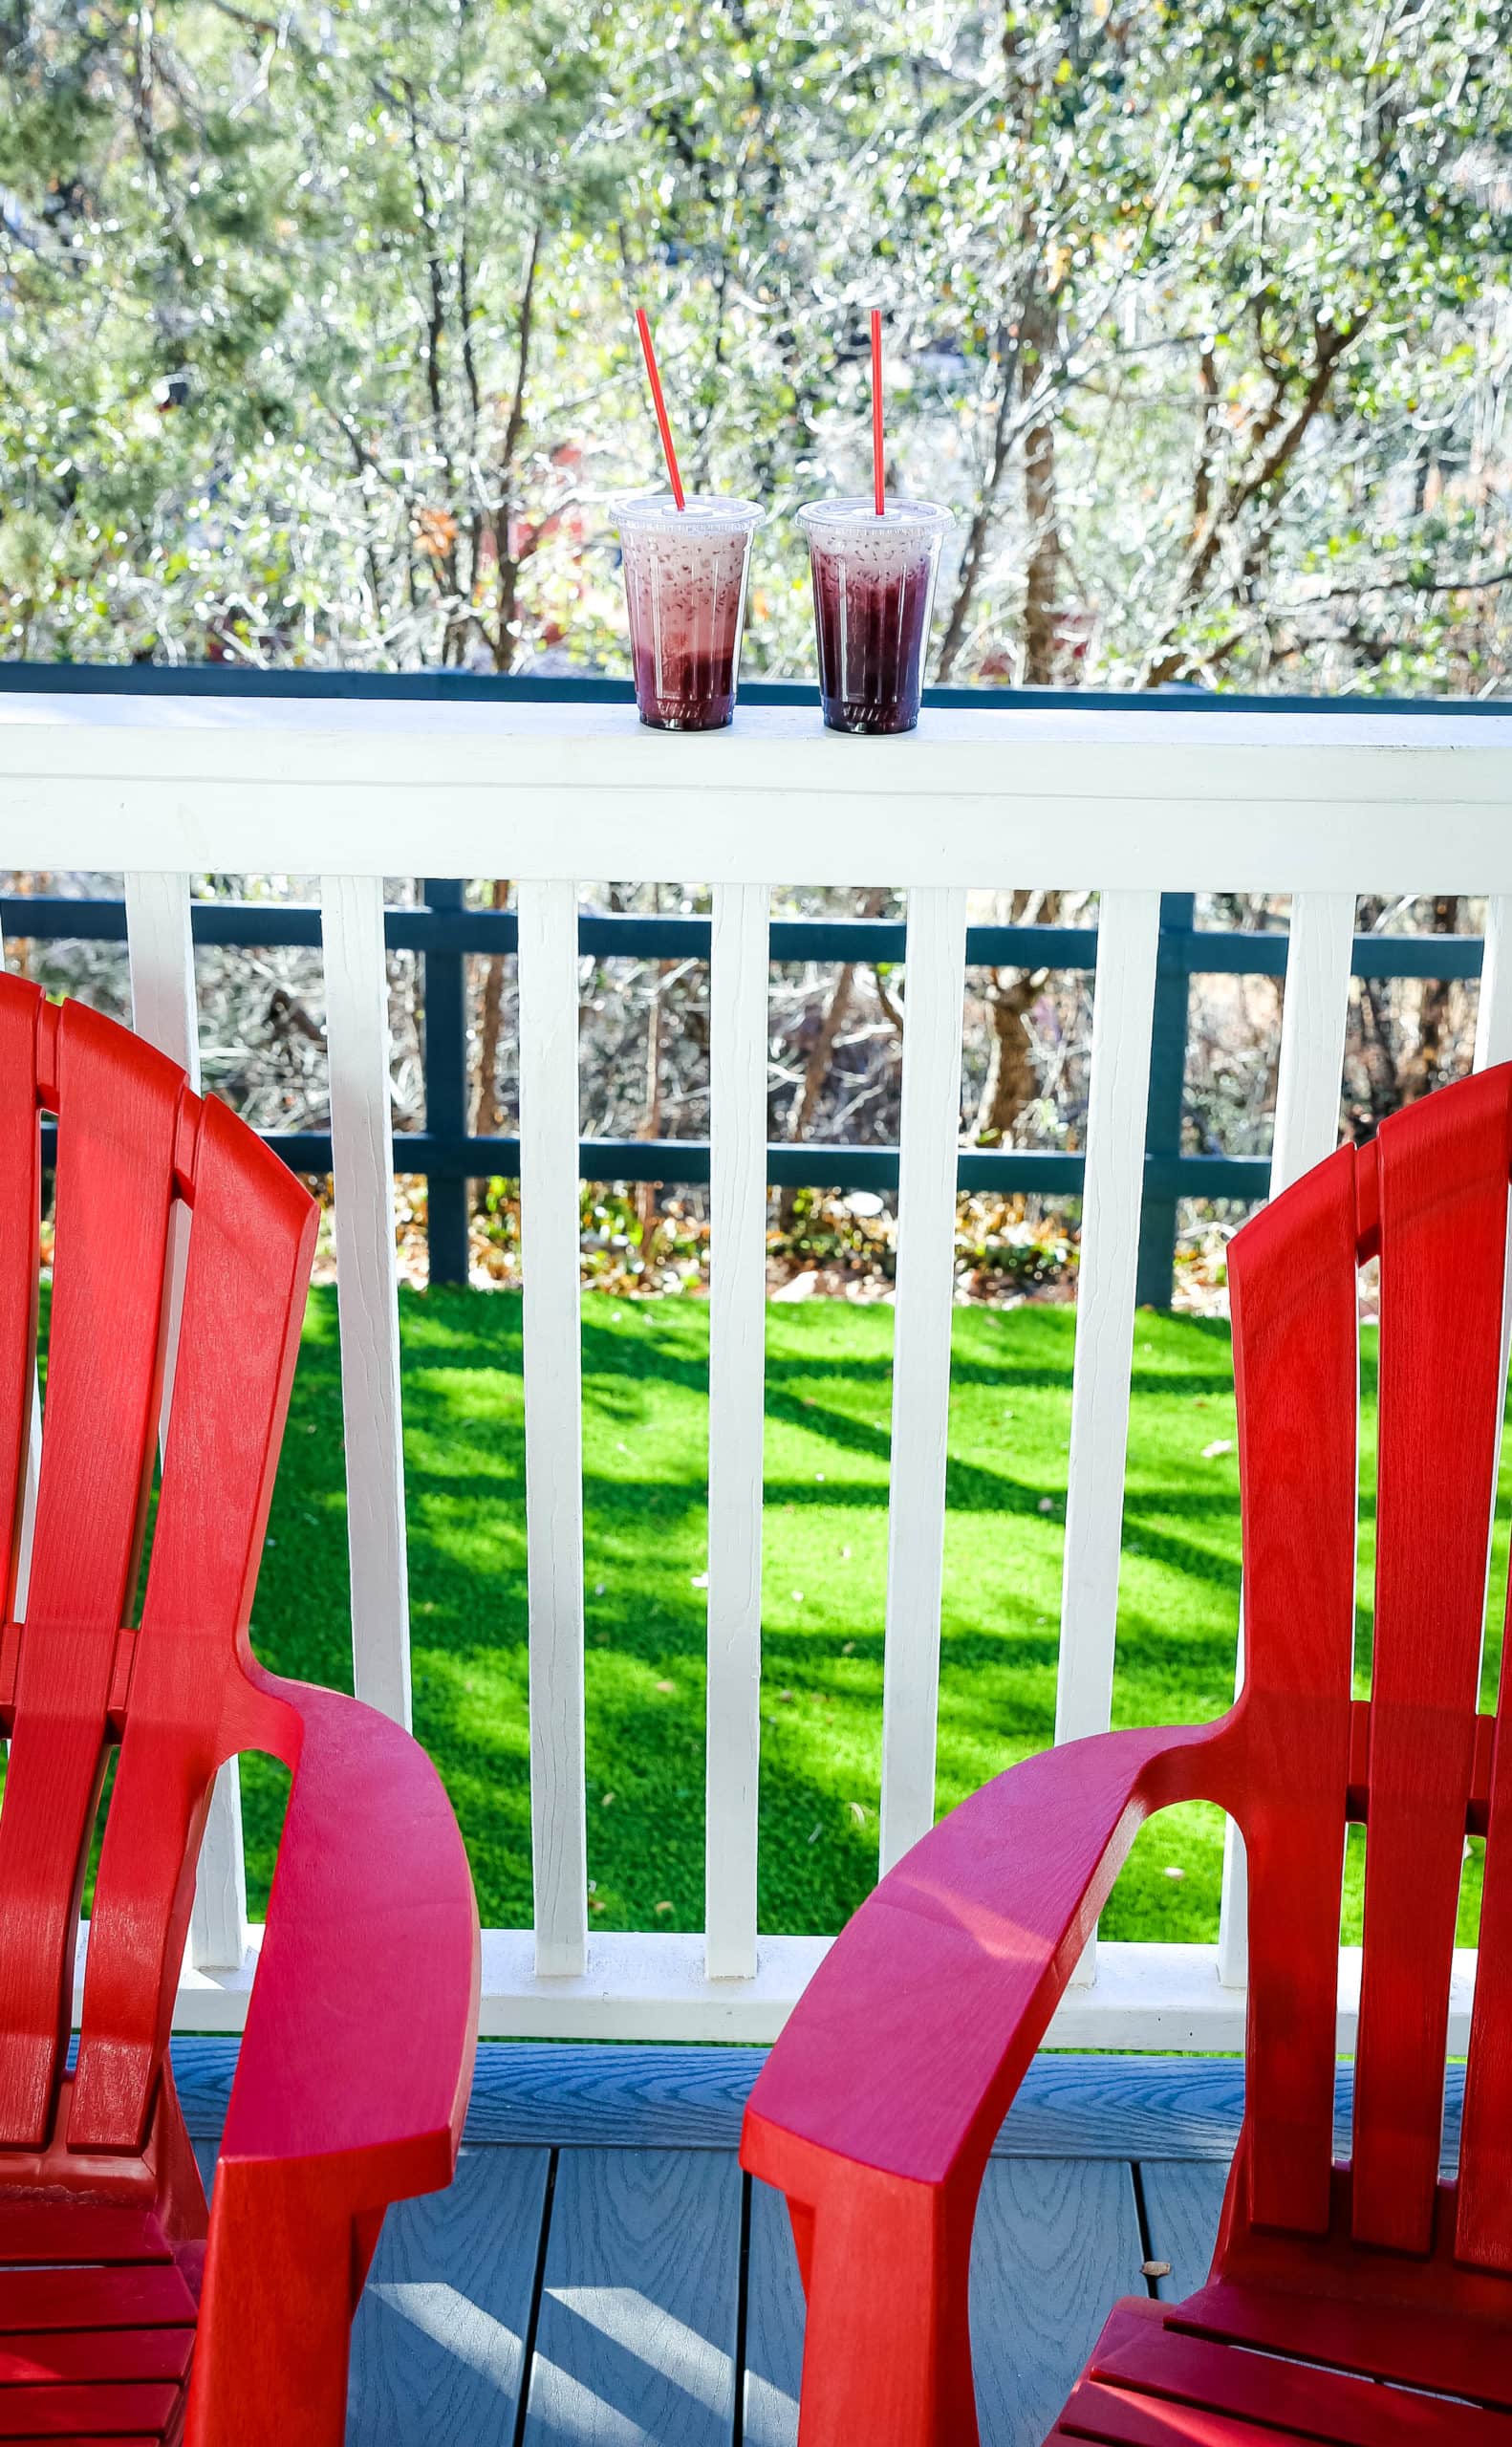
[(645, 1464)]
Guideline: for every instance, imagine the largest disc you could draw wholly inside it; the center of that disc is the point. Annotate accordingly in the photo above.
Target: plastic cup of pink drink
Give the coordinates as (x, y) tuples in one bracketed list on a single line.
[(685, 572), (874, 587)]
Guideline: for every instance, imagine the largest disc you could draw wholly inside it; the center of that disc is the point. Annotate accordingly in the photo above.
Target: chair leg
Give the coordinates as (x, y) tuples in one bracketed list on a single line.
[(886, 2267), (275, 2335)]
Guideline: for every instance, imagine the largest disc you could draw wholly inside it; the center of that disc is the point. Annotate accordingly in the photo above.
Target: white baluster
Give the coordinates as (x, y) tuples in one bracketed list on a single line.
[(736, 1400), (367, 1285), (929, 1140), (1494, 1009), (1123, 1004), (550, 1232)]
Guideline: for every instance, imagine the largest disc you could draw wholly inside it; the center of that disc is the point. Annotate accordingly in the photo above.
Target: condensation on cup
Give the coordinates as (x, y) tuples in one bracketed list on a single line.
[(686, 574), (874, 588)]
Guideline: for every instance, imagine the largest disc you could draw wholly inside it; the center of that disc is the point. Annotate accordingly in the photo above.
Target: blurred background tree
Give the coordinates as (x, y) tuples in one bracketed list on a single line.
[(317, 348), (315, 323)]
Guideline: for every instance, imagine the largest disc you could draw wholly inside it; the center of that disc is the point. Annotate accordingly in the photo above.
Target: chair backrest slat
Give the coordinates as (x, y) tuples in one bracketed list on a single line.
[(21, 1207), (1483, 2224), (1292, 1286), (1314, 1015), (117, 1103), (190, 1708), (1441, 1184)]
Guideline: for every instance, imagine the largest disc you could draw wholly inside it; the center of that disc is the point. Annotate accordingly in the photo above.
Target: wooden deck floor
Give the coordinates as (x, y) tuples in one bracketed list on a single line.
[(601, 2271)]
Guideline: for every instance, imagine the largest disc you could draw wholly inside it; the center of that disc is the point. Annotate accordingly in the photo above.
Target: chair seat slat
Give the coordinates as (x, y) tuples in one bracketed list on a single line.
[(114, 2410), (152, 2294), (49, 2356), (1139, 2351), (1404, 2344)]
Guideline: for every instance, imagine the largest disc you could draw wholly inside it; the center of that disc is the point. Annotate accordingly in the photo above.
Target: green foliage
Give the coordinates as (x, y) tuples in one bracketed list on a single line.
[(645, 1462), (314, 328)]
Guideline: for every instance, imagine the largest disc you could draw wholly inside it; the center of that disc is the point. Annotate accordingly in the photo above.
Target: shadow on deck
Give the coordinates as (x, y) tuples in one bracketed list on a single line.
[(601, 2238)]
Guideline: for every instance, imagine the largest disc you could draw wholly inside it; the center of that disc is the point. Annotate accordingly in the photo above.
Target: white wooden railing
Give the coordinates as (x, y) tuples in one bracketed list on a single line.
[(1319, 807)]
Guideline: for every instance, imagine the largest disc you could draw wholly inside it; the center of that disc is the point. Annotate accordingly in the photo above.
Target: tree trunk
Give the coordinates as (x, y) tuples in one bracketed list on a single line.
[(1275, 436), (486, 1115), (1042, 590), (650, 1119), (821, 1055), (507, 595), (978, 532), (1012, 1081), (1424, 1066)]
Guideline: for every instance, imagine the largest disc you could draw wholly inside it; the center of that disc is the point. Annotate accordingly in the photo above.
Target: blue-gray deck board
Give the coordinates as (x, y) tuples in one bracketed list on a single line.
[(1181, 2210), (1057, 2243), (438, 2347), (773, 2324), (692, 2098), (600, 2233), (636, 2336)]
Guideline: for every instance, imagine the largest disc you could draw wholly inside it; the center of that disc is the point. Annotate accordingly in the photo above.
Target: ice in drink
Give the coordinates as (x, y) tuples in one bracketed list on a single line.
[(685, 572), (873, 584)]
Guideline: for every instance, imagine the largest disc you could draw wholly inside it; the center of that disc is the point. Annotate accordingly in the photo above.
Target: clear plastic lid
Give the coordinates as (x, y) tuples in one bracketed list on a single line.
[(859, 517), (712, 513)]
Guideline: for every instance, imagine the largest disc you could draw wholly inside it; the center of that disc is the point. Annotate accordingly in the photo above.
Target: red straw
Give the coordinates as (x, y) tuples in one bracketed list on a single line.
[(877, 413), (660, 406)]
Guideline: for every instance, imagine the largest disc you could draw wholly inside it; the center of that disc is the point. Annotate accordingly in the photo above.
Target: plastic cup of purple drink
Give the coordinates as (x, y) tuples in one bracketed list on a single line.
[(685, 572), (873, 583)]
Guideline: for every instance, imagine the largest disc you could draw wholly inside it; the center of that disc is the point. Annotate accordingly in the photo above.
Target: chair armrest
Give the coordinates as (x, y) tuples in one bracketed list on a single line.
[(363, 2019), (354, 2073), (878, 2105), (952, 1966)]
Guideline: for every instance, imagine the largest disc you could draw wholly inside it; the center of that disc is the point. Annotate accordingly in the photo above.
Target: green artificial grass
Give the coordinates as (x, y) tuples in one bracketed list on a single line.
[(828, 1394)]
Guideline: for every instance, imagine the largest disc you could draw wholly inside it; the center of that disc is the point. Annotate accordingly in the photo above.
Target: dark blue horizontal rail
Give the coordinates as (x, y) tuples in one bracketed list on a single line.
[(56, 917), (584, 688), (685, 1164), (455, 1156)]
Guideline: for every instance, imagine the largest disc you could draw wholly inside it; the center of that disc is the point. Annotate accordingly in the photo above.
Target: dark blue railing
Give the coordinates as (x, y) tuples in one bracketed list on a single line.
[(444, 931)]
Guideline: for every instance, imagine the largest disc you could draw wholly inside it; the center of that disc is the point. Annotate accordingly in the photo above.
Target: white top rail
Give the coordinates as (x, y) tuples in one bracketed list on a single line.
[(1151, 800)]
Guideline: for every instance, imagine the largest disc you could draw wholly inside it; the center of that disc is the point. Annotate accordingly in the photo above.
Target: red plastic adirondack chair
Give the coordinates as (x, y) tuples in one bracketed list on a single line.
[(877, 2108), (123, 2310)]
